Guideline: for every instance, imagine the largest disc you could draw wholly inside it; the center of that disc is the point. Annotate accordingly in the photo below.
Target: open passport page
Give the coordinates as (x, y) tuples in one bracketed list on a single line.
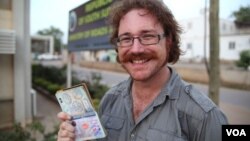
[(76, 102)]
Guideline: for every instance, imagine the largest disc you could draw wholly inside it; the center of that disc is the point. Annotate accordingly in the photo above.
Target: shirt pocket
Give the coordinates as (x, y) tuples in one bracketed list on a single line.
[(156, 135), (113, 126)]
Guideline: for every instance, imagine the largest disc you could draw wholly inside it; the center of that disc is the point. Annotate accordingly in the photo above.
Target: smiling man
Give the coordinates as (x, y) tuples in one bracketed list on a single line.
[(154, 104)]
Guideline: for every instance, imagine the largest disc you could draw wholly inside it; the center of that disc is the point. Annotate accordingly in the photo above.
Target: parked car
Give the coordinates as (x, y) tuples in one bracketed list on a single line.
[(47, 56)]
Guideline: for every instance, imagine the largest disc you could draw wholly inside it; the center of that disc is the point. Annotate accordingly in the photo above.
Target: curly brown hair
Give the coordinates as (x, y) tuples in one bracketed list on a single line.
[(156, 8)]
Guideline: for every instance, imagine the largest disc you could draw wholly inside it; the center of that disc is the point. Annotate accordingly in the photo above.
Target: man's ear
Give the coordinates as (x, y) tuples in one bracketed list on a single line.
[(168, 41)]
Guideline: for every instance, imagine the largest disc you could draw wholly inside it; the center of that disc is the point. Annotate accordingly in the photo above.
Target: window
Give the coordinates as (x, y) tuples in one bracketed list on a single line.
[(189, 25), (189, 45), (224, 27), (231, 46)]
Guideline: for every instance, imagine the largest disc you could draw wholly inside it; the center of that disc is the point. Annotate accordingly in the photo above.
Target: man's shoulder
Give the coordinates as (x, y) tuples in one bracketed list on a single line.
[(199, 98), (193, 102)]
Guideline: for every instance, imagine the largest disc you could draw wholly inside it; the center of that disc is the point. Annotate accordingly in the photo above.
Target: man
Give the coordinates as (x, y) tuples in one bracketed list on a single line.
[(154, 104)]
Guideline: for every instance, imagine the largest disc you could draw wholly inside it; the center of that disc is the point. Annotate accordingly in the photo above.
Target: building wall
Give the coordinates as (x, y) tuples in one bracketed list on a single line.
[(6, 91), (231, 46), (15, 67), (42, 44), (5, 19), (232, 39), (193, 48), (6, 70)]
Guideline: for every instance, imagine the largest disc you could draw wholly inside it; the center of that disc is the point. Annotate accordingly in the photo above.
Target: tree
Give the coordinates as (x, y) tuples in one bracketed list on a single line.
[(244, 60), (214, 73), (242, 16), (56, 33)]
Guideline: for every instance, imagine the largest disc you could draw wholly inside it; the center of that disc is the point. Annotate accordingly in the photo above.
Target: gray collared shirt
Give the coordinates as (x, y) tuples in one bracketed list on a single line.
[(179, 113)]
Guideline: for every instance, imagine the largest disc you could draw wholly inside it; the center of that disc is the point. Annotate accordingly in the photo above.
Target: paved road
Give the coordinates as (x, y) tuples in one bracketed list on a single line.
[(234, 103), (47, 112)]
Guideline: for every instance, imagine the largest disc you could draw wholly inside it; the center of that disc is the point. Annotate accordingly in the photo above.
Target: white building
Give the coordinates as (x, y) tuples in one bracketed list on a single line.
[(232, 39), (15, 69), (42, 44)]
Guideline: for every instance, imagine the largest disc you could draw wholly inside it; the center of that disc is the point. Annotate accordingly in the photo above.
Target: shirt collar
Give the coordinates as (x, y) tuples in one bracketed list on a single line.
[(170, 89)]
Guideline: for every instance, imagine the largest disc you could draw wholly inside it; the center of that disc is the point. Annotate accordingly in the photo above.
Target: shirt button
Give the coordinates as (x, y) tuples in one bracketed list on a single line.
[(187, 89), (132, 137)]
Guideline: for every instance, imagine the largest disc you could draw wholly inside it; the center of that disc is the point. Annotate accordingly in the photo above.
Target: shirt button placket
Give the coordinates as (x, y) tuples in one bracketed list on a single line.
[(132, 136)]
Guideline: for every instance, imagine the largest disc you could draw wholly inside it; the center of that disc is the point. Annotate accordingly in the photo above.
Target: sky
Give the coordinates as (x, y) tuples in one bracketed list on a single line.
[(46, 13)]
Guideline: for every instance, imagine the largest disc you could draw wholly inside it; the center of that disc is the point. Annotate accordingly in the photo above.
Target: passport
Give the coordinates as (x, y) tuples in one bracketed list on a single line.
[(76, 102)]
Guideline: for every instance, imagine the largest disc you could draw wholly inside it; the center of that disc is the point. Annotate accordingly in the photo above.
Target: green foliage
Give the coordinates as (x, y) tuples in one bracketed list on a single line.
[(16, 134), (96, 103), (244, 61), (56, 33), (242, 16), (53, 79), (52, 136), (96, 89), (19, 133), (51, 87), (53, 74), (40, 81), (36, 126), (49, 78)]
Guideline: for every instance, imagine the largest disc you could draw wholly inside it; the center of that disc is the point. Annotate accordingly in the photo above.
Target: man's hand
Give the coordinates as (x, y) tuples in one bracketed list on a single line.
[(67, 129)]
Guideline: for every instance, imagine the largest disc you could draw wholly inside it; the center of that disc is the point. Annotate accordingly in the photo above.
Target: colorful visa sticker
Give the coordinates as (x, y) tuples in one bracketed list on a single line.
[(89, 128), (77, 103)]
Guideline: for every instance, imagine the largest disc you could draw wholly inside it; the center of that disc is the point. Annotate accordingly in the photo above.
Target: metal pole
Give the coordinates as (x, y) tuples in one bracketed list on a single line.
[(69, 70), (33, 101), (205, 38)]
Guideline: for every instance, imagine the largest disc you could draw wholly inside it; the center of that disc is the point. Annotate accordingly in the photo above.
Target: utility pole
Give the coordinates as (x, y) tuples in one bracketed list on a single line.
[(205, 38), (214, 75)]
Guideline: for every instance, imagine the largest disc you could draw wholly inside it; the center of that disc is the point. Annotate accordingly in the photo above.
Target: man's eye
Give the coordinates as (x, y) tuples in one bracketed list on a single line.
[(125, 39), (148, 36)]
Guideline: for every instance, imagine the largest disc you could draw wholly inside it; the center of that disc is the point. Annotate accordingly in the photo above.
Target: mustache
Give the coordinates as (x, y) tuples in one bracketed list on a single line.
[(131, 56)]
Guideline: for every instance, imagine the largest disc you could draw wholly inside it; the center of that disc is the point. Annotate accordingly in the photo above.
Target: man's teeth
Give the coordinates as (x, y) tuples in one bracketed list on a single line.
[(139, 61)]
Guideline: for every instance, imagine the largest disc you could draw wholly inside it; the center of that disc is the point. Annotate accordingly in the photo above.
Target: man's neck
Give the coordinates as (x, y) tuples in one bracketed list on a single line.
[(147, 88), (144, 92)]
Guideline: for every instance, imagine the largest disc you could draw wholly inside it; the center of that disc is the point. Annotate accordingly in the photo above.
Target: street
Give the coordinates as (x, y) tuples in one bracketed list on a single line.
[(233, 102)]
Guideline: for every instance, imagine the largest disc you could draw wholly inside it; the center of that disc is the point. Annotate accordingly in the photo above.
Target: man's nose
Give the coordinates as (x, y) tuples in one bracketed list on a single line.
[(136, 46)]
